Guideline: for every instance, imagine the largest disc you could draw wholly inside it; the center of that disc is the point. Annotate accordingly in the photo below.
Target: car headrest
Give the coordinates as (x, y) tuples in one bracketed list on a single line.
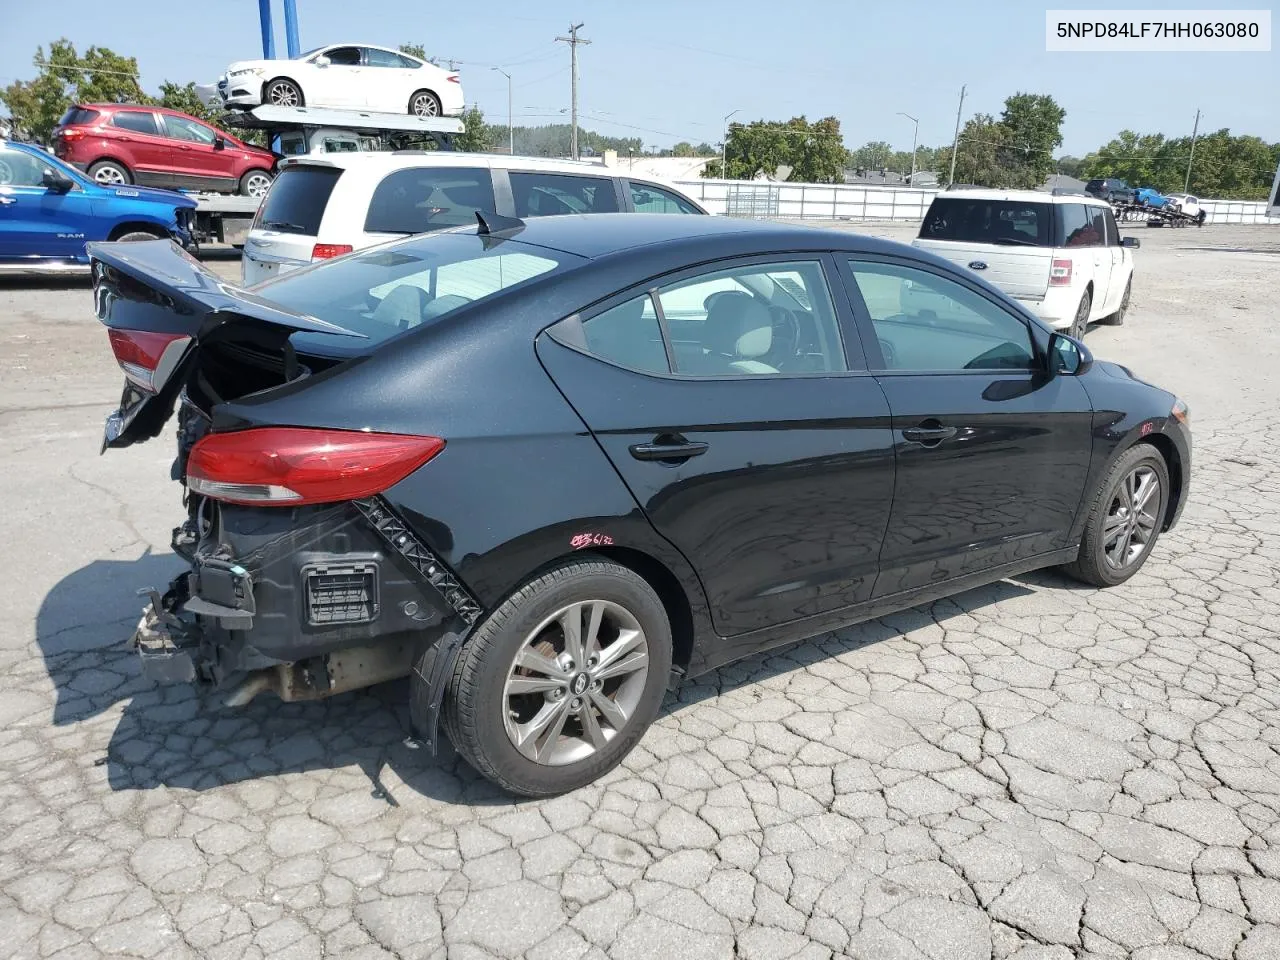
[(403, 307), (738, 326)]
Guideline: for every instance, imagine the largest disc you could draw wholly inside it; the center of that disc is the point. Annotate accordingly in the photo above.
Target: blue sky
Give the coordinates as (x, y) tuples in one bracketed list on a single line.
[(668, 71)]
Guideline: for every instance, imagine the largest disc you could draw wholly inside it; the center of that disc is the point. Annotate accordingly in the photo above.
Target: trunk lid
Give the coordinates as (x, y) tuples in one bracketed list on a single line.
[(162, 307), (1020, 271)]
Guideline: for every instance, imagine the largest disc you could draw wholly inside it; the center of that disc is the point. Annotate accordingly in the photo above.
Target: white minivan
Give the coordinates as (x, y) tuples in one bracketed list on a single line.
[(1061, 254), (321, 207)]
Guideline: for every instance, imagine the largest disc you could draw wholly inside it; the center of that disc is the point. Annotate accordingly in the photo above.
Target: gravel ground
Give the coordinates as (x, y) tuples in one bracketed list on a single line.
[(1029, 770)]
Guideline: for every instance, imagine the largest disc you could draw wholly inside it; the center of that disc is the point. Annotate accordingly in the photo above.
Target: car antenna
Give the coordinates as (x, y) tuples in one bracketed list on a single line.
[(496, 225)]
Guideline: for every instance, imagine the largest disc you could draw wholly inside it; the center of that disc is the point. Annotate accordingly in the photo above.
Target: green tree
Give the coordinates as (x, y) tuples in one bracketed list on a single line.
[(683, 149), (871, 156), (414, 50), (184, 98), (1069, 166), (476, 136), (806, 152), (977, 156), (1031, 130), (100, 76)]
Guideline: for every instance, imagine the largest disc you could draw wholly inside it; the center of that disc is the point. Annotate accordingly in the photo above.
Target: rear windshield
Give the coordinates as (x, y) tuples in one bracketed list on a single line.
[(76, 115), (296, 201), (420, 199), (390, 289), (976, 220)]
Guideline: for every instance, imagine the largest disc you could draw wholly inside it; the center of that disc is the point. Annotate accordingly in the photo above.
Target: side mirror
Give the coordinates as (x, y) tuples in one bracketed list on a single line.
[(55, 181), (1067, 356), (219, 143), (322, 61), (1132, 242)]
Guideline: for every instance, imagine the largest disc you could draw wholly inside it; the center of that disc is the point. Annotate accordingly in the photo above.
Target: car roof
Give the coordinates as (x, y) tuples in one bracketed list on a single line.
[(380, 160), (1029, 196), (598, 235)]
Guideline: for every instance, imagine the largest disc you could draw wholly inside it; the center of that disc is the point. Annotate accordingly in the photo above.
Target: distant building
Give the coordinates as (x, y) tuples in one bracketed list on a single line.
[(660, 168)]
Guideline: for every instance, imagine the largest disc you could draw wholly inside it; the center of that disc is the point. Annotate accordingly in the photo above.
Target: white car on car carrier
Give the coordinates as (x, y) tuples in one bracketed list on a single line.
[(345, 75), (1059, 253)]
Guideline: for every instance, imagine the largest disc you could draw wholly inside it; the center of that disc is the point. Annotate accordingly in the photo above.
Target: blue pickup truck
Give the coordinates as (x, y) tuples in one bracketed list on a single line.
[(50, 210)]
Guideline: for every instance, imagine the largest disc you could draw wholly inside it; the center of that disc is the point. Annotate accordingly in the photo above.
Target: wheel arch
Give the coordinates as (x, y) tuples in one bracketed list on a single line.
[(675, 600), (1168, 451), (140, 226), (267, 83)]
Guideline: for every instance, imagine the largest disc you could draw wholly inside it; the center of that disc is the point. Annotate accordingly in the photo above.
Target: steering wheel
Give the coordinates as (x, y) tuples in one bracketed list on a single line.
[(784, 317)]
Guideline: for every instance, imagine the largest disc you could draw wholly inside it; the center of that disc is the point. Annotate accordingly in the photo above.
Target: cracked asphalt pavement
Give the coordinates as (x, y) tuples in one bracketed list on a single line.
[(1031, 770)]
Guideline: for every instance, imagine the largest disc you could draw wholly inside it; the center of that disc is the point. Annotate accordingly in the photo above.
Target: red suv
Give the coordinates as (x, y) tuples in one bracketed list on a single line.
[(118, 143)]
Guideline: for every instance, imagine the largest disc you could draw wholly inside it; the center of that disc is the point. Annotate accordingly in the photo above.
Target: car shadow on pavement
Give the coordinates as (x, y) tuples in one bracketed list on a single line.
[(182, 736)]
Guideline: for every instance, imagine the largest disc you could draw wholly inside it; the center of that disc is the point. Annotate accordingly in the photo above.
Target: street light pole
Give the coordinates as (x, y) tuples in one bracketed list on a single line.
[(915, 140), (511, 130), (724, 147)]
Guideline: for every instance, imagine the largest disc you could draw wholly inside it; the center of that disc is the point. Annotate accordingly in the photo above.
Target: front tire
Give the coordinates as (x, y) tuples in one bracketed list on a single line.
[(561, 681), (109, 173), (1117, 319), (1080, 325), (282, 92), (1125, 519), (424, 103)]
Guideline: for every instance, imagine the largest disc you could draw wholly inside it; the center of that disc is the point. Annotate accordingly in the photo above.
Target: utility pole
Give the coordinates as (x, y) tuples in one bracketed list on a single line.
[(1186, 184), (511, 130), (955, 142), (915, 142), (573, 40)]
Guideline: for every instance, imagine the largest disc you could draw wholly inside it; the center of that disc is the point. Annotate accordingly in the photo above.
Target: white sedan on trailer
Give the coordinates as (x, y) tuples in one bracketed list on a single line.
[(345, 75)]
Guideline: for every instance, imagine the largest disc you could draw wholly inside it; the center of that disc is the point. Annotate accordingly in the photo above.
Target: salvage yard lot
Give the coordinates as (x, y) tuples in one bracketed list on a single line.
[(1032, 769)]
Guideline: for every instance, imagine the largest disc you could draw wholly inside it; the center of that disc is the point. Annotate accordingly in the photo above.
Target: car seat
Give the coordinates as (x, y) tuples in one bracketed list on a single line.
[(738, 331), (404, 307)]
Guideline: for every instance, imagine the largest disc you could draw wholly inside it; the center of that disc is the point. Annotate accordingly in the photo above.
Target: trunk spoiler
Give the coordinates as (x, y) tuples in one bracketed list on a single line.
[(154, 286)]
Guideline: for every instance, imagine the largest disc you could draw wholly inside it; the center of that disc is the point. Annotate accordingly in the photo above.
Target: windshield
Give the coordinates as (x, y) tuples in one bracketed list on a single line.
[(979, 220), (401, 286), (312, 51)]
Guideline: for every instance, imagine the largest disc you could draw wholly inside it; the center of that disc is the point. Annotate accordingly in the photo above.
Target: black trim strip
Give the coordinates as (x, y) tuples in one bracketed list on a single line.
[(405, 542)]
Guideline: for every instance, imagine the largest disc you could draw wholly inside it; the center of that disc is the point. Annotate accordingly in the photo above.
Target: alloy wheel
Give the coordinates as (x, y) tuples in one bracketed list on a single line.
[(111, 176), (1131, 519), (283, 95), (257, 185), (424, 105), (575, 682)]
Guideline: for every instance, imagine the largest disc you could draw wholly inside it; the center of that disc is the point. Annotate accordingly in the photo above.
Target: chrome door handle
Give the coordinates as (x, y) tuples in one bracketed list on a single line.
[(928, 434), (8, 200)]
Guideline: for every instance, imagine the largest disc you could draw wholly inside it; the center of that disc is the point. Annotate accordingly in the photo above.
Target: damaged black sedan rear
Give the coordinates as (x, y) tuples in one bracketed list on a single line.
[(546, 470)]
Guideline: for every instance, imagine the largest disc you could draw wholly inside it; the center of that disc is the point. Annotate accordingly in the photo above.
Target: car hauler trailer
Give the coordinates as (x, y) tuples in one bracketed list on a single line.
[(309, 131)]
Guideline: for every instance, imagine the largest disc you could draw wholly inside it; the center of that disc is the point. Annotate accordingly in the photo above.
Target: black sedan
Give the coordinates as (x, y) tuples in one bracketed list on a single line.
[(549, 468)]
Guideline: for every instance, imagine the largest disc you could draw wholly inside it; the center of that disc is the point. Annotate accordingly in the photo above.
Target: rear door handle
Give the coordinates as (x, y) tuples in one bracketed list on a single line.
[(676, 450), (928, 434), (8, 200)]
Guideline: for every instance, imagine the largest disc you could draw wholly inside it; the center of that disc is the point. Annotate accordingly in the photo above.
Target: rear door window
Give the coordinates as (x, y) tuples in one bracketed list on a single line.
[(429, 198), (647, 198), (553, 194), (1076, 227), (979, 220), (139, 121), (181, 128), (297, 200)]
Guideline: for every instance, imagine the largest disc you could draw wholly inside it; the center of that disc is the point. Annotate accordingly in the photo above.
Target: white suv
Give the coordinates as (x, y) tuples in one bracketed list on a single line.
[(1060, 254), (319, 208)]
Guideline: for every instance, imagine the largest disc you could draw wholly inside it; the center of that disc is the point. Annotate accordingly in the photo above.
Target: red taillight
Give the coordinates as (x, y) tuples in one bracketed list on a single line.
[(1060, 273), (293, 466), (147, 358), (324, 251), (453, 78), (71, 134)]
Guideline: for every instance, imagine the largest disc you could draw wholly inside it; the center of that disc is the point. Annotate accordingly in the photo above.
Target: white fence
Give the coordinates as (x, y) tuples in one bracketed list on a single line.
[(848, 201)]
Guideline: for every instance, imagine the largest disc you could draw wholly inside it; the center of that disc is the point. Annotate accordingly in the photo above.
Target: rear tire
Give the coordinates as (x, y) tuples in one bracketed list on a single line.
[(1117, 319), (424, 103), (135, 235), (483, 717), (255, 183), (1080, 324), (1112, 549), (111, 173)]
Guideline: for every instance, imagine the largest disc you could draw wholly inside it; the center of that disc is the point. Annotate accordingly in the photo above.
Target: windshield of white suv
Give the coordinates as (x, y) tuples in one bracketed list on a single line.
[(980, 220)]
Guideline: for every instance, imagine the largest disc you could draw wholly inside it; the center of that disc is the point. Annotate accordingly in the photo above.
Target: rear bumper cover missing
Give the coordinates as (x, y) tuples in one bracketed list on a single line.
[(242, 616)]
